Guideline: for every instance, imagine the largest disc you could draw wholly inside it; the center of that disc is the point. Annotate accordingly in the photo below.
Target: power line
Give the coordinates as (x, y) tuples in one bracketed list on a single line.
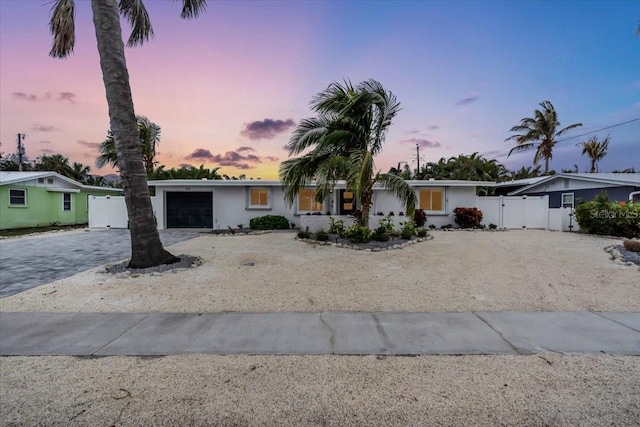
[(578, 136)]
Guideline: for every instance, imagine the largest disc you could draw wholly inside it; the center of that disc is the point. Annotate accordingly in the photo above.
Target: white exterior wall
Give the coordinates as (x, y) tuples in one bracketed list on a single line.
[(231, 206)]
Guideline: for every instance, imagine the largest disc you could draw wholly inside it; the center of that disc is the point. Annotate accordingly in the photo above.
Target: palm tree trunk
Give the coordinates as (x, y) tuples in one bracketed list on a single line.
[(593, 165), (366, 208), (146, 247), (546, 166)]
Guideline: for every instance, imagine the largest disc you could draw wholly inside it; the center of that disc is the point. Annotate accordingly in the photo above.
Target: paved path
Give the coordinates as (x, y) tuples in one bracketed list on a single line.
[(31, 261), (104, 334)]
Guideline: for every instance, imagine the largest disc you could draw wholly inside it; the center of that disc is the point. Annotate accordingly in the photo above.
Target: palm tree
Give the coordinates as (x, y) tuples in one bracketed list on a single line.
[(79, 172), (526, 172), (146, 247), (596, 150), (55, 163), (349, 131), (542, 128), (149, 134)]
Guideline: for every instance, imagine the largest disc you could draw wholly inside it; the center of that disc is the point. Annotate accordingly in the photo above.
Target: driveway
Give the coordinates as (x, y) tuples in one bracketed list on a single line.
[(31, 261)]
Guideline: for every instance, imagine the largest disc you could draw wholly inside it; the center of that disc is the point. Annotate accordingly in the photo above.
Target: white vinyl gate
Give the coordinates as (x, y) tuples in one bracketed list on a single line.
[(515, 211)]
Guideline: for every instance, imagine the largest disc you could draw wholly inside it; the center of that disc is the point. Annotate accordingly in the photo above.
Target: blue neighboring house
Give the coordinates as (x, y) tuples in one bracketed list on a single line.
[(566, 189)]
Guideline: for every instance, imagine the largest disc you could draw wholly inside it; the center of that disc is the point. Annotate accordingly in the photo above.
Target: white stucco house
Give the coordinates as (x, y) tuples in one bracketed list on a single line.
[(218, 204)]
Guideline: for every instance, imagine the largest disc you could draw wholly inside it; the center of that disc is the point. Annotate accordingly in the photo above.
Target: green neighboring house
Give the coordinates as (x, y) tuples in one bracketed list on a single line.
[(35, 199)]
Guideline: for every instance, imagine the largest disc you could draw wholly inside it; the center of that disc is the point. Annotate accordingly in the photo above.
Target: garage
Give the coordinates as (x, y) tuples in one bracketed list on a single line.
[(193, 209)]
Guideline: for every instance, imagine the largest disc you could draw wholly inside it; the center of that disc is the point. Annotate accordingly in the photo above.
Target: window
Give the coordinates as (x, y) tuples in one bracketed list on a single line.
[(49, 180), (432, 199), (259, 198), (307, 201), (66, 201), (17, 197), (40, 180), (567, 200)]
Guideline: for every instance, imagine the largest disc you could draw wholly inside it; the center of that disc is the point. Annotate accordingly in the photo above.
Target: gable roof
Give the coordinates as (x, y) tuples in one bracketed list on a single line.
[(10, 177), (632, 179), (521, 182)]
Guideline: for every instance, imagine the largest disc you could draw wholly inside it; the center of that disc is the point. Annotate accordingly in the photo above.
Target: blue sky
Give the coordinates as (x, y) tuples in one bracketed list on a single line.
[(464, 72)]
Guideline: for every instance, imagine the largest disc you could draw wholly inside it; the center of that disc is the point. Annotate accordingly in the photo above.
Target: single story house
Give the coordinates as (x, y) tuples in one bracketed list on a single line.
[(566, 189), (218, 204), (33, 199)]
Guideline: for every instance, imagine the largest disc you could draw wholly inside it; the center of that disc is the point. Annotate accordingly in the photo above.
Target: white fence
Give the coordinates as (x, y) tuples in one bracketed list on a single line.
[(515, 211), (111, 211)]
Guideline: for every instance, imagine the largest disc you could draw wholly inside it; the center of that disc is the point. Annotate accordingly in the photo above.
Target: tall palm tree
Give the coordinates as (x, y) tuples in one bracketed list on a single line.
[(146, 247), (541, 129), (596, 150), (348, 133), (149, 135)]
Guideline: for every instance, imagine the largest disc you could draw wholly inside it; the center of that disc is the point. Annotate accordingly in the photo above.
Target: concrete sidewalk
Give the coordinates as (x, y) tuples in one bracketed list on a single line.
[(106, 334)]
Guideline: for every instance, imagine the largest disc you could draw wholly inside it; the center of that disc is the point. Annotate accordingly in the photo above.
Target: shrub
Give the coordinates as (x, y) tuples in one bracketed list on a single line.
[(387, 223), (603, 217), (336, 227), (408, 229), (269, 222), (304, 234), (420, 218), (468, 217), (632, 245), (422, 232), (492, 226), (446, 227), (358, 234), (380, 234), (322, 236)]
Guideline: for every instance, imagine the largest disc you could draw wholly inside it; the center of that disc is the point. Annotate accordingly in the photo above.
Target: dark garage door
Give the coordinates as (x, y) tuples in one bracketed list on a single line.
[(189, 210)]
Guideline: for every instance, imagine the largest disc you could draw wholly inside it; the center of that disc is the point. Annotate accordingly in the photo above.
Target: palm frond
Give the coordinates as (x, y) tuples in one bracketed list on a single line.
[(62, 28), (401, 189), (521, 147), (192, 8), (568, 128), (135, 12), (307, 133)]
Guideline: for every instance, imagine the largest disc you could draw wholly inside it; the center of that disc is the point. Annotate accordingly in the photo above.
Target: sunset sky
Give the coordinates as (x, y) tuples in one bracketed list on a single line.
[(228, 88)]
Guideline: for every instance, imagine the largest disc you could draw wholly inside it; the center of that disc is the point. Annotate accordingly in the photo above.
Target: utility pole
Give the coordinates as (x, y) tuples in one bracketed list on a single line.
[(20, 150), (418, 159)]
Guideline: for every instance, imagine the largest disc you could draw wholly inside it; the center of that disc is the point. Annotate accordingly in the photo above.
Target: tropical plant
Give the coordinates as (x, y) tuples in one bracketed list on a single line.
[(468, 217), (149, 135), (79, 172), (54, 163), (336, 226), (420, 217), (541, 129), (343, 139), (185, 172), (146, 247), (357, 233), (526, 172), (595, 150)]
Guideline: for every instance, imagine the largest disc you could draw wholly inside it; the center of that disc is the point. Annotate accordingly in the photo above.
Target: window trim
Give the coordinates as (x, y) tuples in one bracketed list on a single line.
[(304, 212), (64, 203), (251, 206), (573, 200), (443, 190), (24, 195)]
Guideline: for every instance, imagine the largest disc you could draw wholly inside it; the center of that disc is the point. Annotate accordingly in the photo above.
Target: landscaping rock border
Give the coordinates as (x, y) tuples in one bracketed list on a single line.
[(622, 256), (372, 246)]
